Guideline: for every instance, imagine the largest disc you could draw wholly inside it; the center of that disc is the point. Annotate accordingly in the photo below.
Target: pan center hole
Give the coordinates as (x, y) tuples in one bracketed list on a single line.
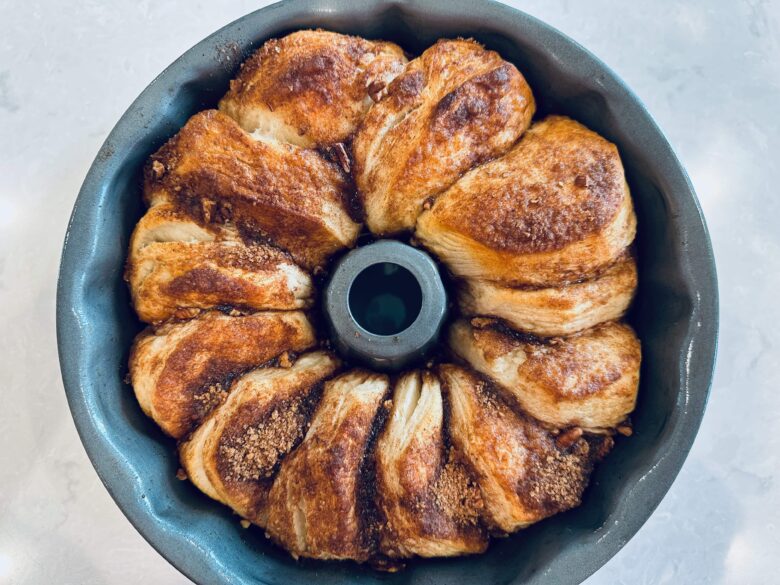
[(385, 298)]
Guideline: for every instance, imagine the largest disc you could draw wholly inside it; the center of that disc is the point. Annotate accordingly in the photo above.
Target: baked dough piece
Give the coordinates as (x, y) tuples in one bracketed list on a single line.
[(311, 87), (271, 191), (320, 505), (166, 223), (176, 267), (235, 454), (453, 107), (554, 310), (181, 371), (524, 471), (588, 380), (555, 209), (430, 503), (535, 226)]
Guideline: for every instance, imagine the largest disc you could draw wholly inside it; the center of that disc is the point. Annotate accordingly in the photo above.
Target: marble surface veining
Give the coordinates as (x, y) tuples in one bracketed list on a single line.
[(708, 70)]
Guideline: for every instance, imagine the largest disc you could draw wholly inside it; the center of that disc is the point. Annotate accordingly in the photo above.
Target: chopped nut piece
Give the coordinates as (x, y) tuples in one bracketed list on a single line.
[(375, 89), (568, 438), (285, 361), (341, 156), (158, 169), (208, 208), (186, 313), (482, 322)]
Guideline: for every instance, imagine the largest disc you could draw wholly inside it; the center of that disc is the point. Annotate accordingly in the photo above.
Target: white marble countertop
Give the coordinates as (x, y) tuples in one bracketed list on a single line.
[(709, 71)]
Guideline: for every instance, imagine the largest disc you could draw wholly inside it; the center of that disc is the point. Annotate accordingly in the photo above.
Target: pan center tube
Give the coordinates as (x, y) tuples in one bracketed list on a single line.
[(385, 304)]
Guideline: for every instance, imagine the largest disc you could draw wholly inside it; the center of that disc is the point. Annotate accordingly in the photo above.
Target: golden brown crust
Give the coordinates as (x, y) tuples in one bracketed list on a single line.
[(536, 232), (524, 474), (554, 209), (181, 371), (318, 506), (312, 87), (171, 278), (554, 310), (429, 501), (235, 453), (453, 107), (588, 380), (289, 196)]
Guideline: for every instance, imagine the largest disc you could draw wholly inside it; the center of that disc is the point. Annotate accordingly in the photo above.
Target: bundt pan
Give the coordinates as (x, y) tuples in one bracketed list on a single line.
[(675, 312)]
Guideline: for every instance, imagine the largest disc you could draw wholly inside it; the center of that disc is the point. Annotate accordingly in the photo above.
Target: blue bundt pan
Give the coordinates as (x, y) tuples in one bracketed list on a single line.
[(675, 315)]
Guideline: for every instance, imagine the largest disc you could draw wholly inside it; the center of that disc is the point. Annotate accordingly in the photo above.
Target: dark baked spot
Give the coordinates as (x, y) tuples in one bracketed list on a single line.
[(476, 101), (207, 280), (316, 73), (406, 87), (367, 490)]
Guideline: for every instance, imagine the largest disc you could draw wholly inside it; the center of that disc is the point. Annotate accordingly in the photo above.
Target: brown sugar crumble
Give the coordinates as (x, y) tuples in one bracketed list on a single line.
[(557, 479), (457, 494), (212, 397), (253, 453)]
